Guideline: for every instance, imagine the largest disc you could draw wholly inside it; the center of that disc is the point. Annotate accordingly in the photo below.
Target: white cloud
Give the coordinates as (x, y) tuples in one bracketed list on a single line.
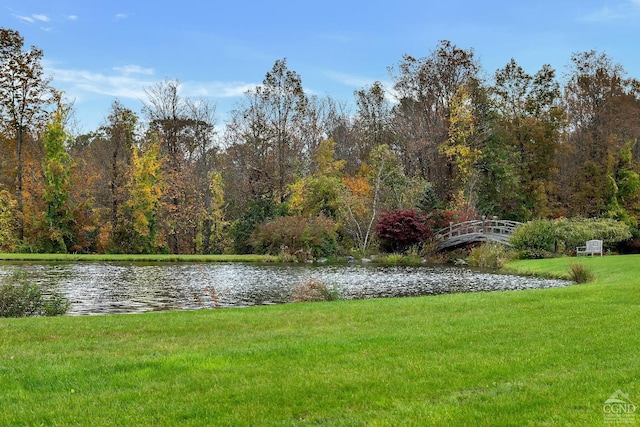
[(25, 18), (130, 82), (121, 16), (604, 14), (33, 18), (42, 18), (359, 82), (78, 83), (72, 17), (623, 10), (349, 79), (134, 69), (216, 89)]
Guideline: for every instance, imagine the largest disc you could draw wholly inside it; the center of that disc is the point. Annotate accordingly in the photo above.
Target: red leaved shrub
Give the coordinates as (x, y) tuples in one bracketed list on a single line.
[(401, 229)]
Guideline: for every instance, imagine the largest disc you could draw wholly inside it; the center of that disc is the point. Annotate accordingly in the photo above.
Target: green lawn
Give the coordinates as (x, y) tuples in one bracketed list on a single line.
[(547, 357)]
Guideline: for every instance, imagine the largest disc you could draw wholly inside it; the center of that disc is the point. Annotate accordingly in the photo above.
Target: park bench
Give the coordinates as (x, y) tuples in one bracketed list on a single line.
[(591, 247)]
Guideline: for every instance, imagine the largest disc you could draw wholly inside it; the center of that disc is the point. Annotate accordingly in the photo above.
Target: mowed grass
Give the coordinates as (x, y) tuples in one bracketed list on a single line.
[(542, 357)]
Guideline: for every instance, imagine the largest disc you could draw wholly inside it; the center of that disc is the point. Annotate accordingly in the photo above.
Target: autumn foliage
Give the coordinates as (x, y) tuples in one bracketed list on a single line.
[(300, 237), (401, 229), (300, 175)]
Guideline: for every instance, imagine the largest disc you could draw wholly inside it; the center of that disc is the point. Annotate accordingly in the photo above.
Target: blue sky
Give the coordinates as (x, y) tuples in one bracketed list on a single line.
[(98, 51)]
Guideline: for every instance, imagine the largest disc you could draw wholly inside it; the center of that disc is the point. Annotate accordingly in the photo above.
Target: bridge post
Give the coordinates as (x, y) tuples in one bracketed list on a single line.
[(450, 229), (484, 224)]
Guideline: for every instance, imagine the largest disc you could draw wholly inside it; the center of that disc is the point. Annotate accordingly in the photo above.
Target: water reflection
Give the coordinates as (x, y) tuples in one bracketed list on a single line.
[(98, 288)]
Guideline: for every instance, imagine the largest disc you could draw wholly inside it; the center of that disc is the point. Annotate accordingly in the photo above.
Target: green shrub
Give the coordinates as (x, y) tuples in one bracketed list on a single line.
[(297, 236), (22, 299), (579, 273), (314, 290), (576, 231), (536, 235), (257, 211), (489, 255), (545, 236)]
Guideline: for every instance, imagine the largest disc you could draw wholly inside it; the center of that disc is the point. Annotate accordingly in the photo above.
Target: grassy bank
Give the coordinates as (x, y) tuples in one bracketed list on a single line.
[(135, 258), (548, 357), (608, 269)]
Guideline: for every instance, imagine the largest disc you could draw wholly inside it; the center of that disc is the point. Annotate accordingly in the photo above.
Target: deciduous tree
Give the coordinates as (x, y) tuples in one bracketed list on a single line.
[(25, 95), (57, 165), (186, 130), (120, 139), (145, 188), (460, 147), (321, 192), (425, 87), (8, 215), (265, 134), (603, 107), (380, 185), (372, 122), (529, 123)]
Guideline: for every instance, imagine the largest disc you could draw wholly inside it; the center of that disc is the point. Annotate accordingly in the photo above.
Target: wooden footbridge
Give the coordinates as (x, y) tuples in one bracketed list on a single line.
[(475, 231)]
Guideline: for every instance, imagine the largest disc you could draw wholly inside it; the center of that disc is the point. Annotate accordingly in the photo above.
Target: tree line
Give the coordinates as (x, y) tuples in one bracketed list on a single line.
[(293, 173)]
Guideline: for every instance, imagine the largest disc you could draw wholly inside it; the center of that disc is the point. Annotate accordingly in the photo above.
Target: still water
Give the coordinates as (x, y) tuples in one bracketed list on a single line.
[(101, 288)]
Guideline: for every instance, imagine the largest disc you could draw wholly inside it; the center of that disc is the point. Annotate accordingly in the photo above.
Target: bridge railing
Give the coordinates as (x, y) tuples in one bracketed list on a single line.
[(479, 226)]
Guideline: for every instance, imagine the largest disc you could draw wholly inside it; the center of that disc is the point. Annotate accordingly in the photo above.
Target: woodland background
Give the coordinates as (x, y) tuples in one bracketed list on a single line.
[(299, 174)]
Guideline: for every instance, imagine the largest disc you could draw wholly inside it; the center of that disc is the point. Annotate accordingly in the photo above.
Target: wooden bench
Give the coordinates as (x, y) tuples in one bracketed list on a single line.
[(591, 247)]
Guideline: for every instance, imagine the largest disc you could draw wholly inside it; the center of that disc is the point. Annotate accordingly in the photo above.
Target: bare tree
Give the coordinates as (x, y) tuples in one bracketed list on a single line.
[(373, 120), (266, 136)]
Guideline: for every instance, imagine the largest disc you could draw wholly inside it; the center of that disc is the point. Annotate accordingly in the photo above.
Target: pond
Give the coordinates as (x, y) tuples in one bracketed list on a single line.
[(101, 288)]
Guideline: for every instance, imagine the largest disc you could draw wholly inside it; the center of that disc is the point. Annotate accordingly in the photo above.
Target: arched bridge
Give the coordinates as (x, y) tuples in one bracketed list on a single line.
[(475, 231)]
